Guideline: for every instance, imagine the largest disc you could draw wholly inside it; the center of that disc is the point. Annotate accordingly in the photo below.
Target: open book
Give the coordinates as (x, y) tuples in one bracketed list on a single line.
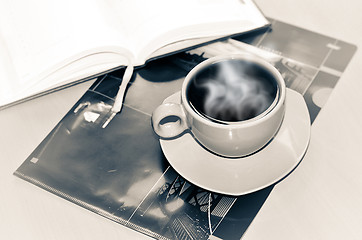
[(47, 44)]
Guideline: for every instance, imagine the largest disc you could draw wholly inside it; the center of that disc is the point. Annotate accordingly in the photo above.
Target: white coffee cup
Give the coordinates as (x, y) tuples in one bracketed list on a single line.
[(250, 89)]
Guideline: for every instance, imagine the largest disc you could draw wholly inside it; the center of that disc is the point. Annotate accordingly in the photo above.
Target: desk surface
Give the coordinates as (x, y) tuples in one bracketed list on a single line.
[(319, 200)]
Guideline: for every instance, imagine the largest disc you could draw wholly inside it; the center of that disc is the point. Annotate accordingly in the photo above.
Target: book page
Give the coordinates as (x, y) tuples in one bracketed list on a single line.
[(42, 36), (153, 24)]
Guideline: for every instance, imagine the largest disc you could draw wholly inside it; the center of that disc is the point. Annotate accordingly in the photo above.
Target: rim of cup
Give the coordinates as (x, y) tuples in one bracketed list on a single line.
[(277, 103)]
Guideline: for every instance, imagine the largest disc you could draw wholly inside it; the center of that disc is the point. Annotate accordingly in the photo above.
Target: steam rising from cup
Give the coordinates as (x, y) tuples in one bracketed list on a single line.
[(236, 92)]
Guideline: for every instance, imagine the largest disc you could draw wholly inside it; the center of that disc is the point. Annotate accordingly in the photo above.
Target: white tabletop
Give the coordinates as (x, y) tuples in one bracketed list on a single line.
[(321, 199)]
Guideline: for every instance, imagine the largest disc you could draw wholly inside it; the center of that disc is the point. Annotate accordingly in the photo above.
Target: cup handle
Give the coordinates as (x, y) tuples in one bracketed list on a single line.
[(163, 120)]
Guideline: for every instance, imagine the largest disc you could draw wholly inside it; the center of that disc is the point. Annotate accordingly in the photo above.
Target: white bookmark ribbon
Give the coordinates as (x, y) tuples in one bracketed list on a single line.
[(118, 102)]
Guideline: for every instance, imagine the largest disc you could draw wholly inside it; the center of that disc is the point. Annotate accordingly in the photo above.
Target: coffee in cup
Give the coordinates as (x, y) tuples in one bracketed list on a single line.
[(232, 105), (232, 91)]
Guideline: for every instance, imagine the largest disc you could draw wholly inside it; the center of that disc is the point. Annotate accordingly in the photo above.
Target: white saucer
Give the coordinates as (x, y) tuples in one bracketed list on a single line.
[(238, 176)]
